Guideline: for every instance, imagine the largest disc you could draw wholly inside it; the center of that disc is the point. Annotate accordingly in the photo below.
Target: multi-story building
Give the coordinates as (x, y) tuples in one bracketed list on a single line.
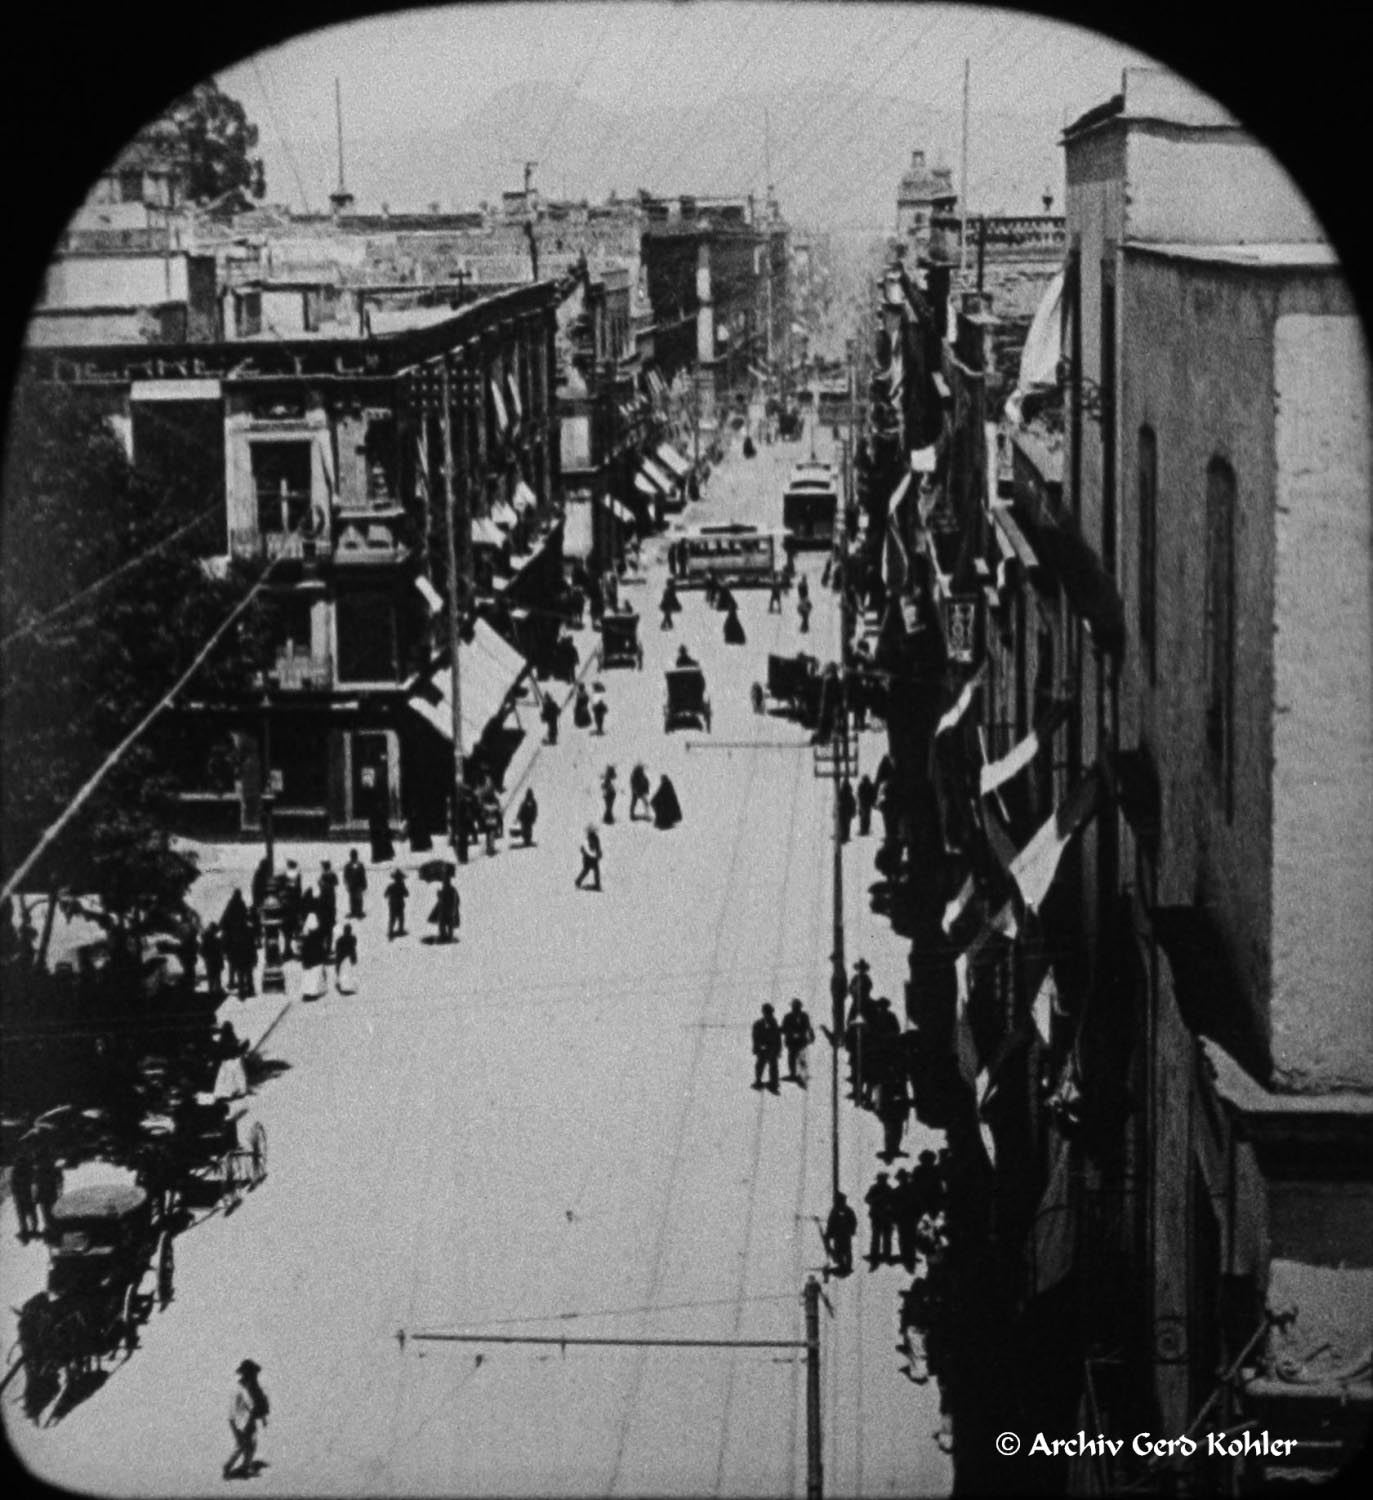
[(330, 459), (1130, 664)]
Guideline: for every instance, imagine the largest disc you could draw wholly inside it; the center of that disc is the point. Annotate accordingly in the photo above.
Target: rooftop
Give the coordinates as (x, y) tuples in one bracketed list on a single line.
[(1265, 257), (1155, 94)]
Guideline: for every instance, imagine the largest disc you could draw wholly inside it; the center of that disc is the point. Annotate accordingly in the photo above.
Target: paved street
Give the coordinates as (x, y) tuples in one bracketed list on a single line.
[(548, 1129)]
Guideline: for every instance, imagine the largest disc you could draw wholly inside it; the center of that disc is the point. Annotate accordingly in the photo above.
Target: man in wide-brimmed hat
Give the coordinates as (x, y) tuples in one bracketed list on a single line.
[(247, 1411)]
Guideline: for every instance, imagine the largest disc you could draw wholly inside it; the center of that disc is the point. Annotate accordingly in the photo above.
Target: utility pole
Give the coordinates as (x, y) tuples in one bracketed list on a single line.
[(811, 1345), (963, 179), (815, 1468), (458, 824), (338, 121)]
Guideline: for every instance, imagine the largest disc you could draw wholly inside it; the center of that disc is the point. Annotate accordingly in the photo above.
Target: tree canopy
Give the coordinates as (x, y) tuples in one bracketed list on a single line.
[(76, 679), (209, 133)]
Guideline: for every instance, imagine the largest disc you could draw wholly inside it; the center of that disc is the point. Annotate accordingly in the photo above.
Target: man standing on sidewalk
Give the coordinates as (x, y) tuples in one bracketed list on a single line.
[(396, 894), (798, 1034), (355, 880), (840, 1228), (767, 1047)]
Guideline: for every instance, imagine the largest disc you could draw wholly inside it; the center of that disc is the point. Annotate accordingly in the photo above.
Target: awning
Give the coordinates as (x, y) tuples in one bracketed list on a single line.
[(524, 497), (620, 512), (758, 372), (513, 386), (963, 702), (498, 403), (996, 773), (503, 513), (1090, 589), (657, 384), (1050, 1249), (489, 670), (674, 460), (485, 533), (645, 485), (1033, 869), (665, 482), (431, 595), (577, 529), (922, 460)]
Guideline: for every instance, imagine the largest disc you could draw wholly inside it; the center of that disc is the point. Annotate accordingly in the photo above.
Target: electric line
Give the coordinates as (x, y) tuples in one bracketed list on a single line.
[(276, 125), (36, 625), (134, 735)]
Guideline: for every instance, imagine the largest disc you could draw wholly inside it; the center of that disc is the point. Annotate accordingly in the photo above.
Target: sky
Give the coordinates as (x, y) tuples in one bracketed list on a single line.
[(674, 72)]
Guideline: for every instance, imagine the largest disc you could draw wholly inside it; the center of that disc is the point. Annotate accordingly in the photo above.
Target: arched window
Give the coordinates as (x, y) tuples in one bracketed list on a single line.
[(1148, 548), (1220, 629)]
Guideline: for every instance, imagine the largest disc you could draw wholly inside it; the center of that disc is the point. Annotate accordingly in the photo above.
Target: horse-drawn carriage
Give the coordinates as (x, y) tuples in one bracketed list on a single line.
[(686, 700), (620, 643), (794, 683), (213, 1153)]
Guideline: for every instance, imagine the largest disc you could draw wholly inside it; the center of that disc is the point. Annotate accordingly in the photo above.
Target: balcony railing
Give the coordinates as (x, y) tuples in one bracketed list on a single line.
[(272, 545), (370, 534)]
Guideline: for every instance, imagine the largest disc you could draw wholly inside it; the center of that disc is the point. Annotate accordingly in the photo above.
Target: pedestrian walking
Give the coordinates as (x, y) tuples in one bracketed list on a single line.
[(803, 613), (327, 905), (847, 808), (355, 883), (346, 960), (734, 630), (447, 912), (313, 957), (767, 1048), (591, 860), (928, 1184), (608, 791), (880, 1221), (379, 824), (549, 714), (798, 1034), (527, 816), (803, 588), (397, 893), (840, 1228), (292, 899), (249, 1409), (239, 947), (47, 1184), (891, 1111), (906, 1213), (867, 801), (638, 792), (670, 604), (489, 810), (599, 707), (212, 951), (667, 810), (581, 708), (21, 1187)]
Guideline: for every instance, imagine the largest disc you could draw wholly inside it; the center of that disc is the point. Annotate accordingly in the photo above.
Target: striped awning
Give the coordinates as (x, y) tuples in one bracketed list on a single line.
[(674, 460), (620, 512), (664, 481), (489, 669), (645, 485)]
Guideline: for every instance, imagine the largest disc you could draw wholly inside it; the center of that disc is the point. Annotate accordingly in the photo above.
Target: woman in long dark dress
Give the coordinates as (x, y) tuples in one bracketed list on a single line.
[(667, 810), (581, 711), (734, 630)]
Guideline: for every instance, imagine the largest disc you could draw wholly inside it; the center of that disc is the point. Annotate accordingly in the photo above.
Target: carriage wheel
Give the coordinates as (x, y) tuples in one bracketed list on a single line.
[(127, 1327), (233, 1186), (257, 1144), (166, 1267)]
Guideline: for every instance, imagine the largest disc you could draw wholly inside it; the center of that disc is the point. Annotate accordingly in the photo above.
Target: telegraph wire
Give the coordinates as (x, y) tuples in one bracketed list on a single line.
[(89, 787), (34, 626), (281, 137)]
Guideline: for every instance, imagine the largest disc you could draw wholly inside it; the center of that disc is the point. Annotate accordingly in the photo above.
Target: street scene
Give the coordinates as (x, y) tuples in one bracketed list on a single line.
[(699, 838)]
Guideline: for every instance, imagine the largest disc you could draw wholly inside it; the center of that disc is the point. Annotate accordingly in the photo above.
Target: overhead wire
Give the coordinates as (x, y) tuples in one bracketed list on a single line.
[(281, 136), (34, 626), (90, 785)]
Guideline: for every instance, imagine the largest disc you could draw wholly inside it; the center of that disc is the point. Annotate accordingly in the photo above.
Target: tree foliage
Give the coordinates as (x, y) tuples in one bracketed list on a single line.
[(76, 680), (209, 133)]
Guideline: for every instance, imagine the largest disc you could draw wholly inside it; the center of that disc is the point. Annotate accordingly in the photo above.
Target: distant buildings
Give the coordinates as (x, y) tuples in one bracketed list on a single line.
[(292, 366)]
